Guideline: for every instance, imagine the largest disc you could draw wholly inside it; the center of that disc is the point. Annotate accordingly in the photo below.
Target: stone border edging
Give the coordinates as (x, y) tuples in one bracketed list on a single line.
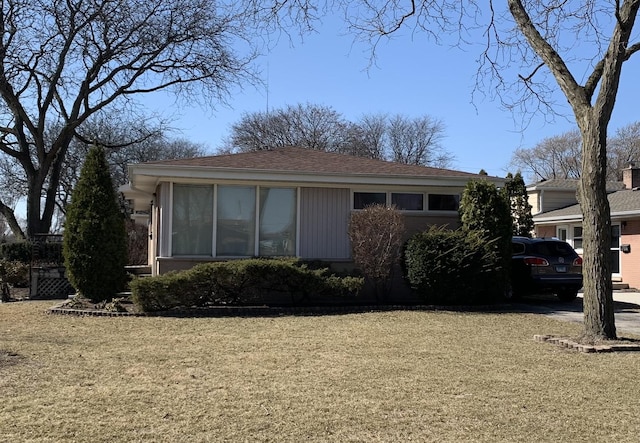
[(570, 344), (265, 311)]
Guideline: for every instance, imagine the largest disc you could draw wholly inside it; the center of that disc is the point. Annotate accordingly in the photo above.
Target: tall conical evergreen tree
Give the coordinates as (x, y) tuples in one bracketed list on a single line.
[(485, 209), (516, 192), (95, 247)]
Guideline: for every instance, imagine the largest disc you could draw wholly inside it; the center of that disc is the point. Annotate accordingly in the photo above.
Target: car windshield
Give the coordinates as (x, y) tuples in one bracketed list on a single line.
[(552, 248)]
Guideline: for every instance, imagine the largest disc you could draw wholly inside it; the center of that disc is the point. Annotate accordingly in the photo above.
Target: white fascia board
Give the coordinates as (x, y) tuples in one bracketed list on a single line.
[(578, 218), (553, 220), (172, 173), (625, 214)]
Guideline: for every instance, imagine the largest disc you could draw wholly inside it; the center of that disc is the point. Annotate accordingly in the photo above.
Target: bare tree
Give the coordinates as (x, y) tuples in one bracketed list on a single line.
[(554, 44), (559, 156), (406, 140), (62, 62), (370, 136), (623, 149), (417, 141), (304, 125), (553, 157)]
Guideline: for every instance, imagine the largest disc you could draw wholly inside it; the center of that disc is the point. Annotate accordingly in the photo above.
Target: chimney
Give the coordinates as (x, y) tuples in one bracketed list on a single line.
[(631, 176)]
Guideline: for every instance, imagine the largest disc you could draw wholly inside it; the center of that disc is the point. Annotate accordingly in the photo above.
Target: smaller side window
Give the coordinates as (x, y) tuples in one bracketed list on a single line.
[(363, 199), (444, 202), (408, 202), (577, 237), (517, 248)]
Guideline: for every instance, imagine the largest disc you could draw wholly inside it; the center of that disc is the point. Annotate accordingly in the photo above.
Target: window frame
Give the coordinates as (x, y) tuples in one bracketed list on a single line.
[(257, 220), (457, 198)]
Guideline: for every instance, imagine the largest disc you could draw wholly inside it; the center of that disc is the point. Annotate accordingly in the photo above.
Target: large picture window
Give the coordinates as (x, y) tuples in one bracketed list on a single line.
[(277, 221), (236, 221), (247, 221), (192, 232)]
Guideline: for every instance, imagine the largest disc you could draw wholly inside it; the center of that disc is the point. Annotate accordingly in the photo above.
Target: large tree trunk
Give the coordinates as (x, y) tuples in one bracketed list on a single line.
[(599, 320), (37, 222)]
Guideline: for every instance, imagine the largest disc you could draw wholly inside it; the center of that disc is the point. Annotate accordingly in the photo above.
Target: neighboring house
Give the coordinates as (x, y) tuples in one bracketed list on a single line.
[(281, 202), (548, 195), (565, 222)]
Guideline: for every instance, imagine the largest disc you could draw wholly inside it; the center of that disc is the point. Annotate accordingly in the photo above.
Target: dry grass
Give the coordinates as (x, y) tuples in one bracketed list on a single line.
[(393, 377)]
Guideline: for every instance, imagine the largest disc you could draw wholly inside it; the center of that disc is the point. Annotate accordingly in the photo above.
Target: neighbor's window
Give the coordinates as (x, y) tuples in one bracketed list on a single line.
[(236, 217), (408, 202), (577, 237), (277, 231), (443, 202), (363, 199), (192, 231)]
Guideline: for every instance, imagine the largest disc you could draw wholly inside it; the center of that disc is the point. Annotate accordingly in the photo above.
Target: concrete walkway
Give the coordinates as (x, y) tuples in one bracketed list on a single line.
[(626, 308)]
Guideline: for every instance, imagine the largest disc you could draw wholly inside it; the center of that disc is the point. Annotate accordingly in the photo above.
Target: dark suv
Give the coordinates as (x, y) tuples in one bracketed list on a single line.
[(545, 265)]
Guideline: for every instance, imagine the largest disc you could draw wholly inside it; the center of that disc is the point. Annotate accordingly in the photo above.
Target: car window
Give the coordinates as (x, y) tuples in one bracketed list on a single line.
[(517, 248), (552, 248)]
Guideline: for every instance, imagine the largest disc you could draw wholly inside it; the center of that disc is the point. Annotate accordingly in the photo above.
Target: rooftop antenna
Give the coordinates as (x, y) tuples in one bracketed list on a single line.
[(267, 86)]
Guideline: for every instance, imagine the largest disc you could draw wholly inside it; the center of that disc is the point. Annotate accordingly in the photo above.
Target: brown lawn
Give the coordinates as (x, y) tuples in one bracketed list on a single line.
[(389, 377)]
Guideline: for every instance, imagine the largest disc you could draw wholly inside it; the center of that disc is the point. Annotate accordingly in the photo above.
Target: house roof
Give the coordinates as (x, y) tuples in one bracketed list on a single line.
[(560, 184), (291, 166), (292, 159), (622, 203)]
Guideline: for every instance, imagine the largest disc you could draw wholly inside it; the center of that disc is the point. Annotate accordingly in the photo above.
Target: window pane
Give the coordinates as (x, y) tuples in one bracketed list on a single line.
[(615, 262), (277, 221), (408, 202), (562, 234), (236, 221), (443, 202), (192, 220), (364, 199), (577, 237), (615, 236)]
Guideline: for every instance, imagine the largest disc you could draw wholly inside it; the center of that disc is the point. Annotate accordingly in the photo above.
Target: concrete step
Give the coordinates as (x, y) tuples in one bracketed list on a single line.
[(139, 270), (619, 286)]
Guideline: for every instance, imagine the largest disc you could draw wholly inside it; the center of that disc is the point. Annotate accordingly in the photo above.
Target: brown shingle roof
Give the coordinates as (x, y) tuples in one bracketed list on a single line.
[(621, 201), (293, 159), (569, 185)]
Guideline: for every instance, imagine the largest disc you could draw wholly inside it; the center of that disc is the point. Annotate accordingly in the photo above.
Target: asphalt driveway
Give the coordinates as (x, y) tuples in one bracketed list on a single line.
[(626, 308)]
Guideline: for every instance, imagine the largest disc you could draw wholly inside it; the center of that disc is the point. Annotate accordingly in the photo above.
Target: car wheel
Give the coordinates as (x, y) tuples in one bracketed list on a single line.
[(569, 295)]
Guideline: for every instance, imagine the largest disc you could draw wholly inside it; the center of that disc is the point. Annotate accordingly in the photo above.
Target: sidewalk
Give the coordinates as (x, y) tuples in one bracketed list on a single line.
[(626, 308), (625, 297)]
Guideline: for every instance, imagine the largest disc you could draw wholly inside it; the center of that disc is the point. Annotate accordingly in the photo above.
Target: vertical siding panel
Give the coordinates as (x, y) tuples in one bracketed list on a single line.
[(323, 223), (165, 218)]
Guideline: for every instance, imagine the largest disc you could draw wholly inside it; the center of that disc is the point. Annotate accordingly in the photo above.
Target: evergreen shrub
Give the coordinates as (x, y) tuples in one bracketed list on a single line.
[(452, 267), (18, 251), (241, 282), (95, 242)]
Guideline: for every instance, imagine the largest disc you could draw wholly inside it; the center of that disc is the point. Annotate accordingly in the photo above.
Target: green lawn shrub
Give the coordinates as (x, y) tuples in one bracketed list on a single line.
[(241, 282), (95, 240), (18, 251), (453, 267)]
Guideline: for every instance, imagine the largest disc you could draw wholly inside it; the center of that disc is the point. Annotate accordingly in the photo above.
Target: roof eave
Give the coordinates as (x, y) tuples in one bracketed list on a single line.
[(617, 215), (173, 173)]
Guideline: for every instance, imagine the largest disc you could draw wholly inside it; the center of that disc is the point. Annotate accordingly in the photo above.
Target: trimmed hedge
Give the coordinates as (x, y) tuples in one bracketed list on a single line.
[(241, 282), (453, 267)]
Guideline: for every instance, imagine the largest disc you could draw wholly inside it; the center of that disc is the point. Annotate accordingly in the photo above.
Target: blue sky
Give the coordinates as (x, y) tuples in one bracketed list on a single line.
[(412, 76)]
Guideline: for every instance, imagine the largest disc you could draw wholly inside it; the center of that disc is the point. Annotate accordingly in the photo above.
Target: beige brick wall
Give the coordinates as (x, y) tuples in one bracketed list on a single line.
[(545, 231)]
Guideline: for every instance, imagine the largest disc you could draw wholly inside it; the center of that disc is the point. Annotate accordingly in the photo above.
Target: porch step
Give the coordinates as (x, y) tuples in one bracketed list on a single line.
[(139, 270), (617, 286)]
